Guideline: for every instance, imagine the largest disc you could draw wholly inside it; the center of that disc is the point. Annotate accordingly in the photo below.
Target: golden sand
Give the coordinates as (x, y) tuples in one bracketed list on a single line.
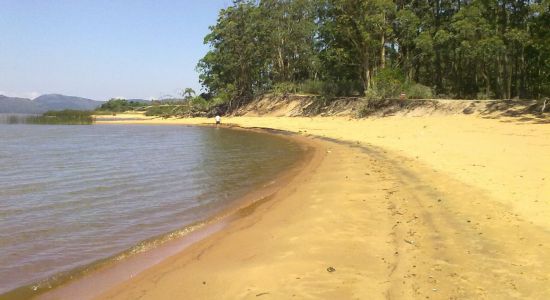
[(445, 207)]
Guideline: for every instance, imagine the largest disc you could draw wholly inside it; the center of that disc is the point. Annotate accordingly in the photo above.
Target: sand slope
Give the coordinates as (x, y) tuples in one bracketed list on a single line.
[(446, 207)]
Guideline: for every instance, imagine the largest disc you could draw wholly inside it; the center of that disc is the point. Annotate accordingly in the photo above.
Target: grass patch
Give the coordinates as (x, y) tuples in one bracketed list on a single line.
[(64, 117)]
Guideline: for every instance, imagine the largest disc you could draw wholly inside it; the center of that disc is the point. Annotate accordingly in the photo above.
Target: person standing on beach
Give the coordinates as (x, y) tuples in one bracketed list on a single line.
[(218, 119)]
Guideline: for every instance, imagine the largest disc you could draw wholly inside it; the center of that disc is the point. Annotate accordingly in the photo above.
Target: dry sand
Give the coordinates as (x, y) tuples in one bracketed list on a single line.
[(445, 207)]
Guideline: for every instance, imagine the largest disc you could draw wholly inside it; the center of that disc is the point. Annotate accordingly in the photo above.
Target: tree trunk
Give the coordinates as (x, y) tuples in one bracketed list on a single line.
[(500, 79), (280, 61), (487, 83), (383, 52), (365, 72), (383, 44), (508, 77)]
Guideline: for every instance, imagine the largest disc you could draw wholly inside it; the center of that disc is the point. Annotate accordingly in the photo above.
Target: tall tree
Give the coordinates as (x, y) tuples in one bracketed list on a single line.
[(235, 65), (360, 28), (460, 48)]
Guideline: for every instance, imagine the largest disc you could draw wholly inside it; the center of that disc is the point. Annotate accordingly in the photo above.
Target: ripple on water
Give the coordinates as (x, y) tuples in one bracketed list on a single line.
[(71, 195)]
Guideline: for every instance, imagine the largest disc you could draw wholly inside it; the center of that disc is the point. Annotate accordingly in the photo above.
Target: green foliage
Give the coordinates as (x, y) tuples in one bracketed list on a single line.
[(389, 83), (188, 93), (323, 88), (165, 111), (340, 88), (419, 91), (195, 106), (371, 94), (314, 87), (379, 48), (119, 105), (64, 117), (199, 103), (284, 88)]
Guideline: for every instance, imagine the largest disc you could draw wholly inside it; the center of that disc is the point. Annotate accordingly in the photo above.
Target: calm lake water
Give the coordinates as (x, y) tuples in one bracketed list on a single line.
[(71, 195)]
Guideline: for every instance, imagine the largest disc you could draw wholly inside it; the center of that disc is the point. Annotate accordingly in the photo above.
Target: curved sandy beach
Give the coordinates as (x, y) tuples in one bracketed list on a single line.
[(445, 207)]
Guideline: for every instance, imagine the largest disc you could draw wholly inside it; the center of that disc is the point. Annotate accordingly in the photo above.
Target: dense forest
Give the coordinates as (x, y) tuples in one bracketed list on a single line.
[(478, 49)]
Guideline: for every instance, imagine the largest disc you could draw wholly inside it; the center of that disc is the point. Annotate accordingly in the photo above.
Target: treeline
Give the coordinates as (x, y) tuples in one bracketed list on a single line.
[(190, 104), (452, 48)]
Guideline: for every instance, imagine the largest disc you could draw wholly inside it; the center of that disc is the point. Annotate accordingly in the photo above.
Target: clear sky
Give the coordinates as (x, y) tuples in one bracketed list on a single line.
[(103, 48)]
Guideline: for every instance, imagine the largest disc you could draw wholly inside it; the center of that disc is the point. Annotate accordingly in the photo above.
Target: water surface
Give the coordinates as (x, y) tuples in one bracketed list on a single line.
[(70, 195)]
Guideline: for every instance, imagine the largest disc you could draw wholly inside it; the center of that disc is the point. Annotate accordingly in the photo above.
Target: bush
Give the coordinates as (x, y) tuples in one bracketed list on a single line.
[(199, 103), (284, 88), (165, 111), (349, 88), (119, 105), (329, 88), (418, 91), (371, 94), (195, 106), (389, 83), (341, 88), (226, 94), (311, 87)]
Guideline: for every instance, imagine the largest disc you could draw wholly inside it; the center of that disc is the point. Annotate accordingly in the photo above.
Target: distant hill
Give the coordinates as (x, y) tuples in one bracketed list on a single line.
[(45, 103), (20, 106), (61, 102)]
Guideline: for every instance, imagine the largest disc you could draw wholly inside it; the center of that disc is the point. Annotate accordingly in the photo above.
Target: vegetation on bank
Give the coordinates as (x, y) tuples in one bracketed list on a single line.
[(118, 105), (64, 117), (189, 105), (373, 50), (379, 49)]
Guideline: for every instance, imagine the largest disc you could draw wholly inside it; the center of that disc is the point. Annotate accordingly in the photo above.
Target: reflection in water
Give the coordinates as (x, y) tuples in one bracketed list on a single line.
[(14, 118), (70, 195), (232, 145)]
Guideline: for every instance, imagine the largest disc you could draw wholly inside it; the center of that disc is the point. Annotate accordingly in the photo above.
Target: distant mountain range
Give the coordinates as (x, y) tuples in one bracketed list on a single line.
[(45, 103)]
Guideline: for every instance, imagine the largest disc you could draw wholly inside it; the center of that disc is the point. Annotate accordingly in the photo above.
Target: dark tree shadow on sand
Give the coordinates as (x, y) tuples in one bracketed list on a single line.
[(518, 110)]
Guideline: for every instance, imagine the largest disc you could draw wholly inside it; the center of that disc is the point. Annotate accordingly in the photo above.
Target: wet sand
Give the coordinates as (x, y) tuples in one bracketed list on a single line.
[(442, 207)]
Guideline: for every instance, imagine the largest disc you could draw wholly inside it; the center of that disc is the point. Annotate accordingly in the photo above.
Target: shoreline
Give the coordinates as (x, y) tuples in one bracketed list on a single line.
[(504, 156), (400, 207), (84, 282), (374, 221)]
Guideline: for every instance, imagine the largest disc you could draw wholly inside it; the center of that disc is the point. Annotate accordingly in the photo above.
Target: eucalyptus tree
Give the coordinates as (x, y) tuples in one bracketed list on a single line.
[(290, 28), (234, 66), (358, 31), (460, 48)]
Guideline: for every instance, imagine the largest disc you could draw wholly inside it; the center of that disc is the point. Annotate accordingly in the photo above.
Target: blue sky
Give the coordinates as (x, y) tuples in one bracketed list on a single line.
[(102, 49)]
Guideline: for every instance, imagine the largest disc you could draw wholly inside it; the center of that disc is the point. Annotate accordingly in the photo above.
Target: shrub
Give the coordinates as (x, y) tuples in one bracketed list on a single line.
[(119, 105), (389, 83), (311, 87), (419, 91), (371, 94), (329, 88), (283, 88), (199, 103), (165, 111), (341, 88)]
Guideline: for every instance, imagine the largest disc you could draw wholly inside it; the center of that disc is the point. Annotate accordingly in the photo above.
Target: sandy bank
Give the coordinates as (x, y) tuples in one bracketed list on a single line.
[(440, 207)]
